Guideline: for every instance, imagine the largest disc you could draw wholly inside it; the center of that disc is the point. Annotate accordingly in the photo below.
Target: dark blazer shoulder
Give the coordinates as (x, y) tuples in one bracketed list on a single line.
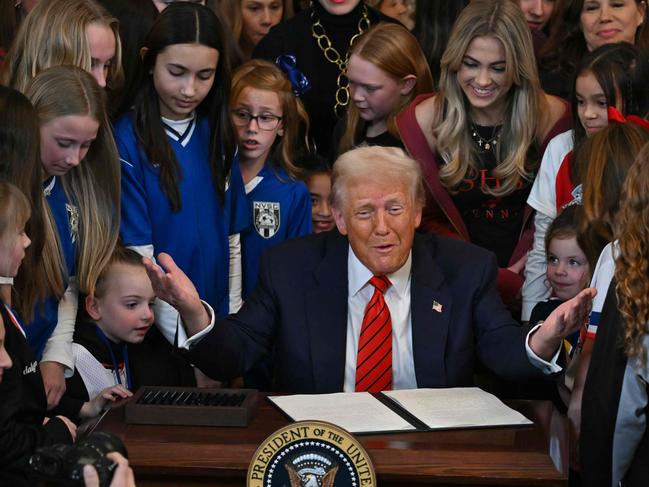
[(309, 248), (451, 252)]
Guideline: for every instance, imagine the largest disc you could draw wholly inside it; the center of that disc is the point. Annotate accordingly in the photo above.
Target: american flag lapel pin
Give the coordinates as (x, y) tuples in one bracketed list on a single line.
[(437, 307)]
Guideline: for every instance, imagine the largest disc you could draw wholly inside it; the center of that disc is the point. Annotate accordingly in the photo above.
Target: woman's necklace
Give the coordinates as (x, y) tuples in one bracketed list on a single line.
[(488, 144), (334, 57)]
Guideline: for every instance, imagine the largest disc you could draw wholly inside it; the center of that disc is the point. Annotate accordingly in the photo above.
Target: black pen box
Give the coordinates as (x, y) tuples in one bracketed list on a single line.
[(191, 406)]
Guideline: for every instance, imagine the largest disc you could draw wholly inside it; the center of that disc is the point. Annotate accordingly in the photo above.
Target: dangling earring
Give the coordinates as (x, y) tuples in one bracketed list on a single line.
[(20, 10)]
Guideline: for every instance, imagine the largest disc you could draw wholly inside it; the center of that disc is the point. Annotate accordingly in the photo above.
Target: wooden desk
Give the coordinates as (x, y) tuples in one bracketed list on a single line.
[(189, 455)]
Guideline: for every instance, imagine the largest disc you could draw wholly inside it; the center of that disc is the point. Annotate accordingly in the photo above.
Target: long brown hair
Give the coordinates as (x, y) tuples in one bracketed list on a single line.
[(394, 50), (632, 264), (20, 164), (610, 153), (94, 185)]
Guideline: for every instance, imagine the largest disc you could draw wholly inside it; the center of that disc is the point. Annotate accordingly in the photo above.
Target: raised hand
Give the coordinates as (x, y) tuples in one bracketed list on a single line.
[(172, 285), (562, 322)]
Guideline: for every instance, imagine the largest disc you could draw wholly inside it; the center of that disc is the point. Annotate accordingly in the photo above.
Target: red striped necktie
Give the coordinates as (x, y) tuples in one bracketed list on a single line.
[(374, 359)]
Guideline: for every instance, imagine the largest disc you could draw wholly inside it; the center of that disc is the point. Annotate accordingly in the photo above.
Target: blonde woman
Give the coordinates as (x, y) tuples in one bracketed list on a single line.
[(80, 174), (57, 32), (480, 138)]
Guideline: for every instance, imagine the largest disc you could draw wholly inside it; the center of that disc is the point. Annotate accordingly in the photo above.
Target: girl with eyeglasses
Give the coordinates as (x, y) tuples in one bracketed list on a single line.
[(267, 119), (181, 189)]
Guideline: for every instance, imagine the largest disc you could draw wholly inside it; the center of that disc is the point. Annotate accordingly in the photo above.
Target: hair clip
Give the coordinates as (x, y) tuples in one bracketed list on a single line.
[(614, 115), (299, 82)]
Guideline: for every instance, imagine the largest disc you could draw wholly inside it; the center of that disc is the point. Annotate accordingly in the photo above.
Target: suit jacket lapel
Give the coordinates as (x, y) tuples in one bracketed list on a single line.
[(430, 313), (326, 308)]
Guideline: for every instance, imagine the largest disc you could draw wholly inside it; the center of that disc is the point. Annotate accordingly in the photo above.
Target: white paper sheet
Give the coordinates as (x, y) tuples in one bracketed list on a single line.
[(461, 407), (357, 412)]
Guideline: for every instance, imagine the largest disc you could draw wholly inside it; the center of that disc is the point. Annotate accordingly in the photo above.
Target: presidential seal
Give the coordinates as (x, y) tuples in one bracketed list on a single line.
[(266, 217), (311, 454)]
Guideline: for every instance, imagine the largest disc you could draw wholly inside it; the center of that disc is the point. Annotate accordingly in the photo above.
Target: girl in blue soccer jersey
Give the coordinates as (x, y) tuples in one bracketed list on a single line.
[(80, 177), (181, 192), (267, 118)]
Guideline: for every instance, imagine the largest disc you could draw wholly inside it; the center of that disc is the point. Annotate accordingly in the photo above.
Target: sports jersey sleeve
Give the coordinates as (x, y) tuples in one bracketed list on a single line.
[(135, 225), (236, 203), (59, 346), (601, 281), (299, 221), (535, 288), (543, 194), (235, 276)]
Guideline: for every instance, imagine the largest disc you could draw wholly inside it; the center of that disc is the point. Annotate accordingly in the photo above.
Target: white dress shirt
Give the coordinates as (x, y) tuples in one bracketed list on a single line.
[(397, 298)]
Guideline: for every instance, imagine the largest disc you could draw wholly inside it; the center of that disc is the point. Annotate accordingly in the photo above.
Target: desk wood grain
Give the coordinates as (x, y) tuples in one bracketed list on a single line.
[(516, 456)]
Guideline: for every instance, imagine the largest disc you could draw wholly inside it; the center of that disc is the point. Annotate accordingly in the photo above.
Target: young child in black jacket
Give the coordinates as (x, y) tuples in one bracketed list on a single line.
[(25, 423), (117, 346)]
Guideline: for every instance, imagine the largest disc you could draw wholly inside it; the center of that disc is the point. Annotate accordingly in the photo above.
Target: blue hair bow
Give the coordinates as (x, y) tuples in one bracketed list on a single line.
[(299, 82)]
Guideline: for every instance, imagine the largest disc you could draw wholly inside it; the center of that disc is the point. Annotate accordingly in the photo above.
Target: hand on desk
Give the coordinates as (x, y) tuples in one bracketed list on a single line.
[(172, 285), (111, 394), (562, 322)]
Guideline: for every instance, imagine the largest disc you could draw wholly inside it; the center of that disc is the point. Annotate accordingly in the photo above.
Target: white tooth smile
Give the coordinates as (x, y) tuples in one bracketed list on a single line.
[(482, 91)]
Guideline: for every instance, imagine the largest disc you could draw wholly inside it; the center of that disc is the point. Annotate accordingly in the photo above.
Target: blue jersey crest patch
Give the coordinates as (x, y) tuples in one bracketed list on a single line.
[(266, 218)]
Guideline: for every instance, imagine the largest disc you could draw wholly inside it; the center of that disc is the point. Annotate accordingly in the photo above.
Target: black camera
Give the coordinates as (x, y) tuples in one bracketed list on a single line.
[(63, 464)]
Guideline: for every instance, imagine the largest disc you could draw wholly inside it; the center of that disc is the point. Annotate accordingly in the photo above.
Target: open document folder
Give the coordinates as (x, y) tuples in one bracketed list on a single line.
[(403, 410)]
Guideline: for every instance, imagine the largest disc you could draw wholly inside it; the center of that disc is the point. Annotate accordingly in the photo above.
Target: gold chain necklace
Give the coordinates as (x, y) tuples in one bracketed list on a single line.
[(334, 57), (486, 144)]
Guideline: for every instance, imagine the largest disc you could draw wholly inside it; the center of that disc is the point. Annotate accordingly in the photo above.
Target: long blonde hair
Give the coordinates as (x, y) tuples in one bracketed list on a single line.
[(93, 186), (54, 33), (394, 50), (264, 75), (503, 20), (632, 264)]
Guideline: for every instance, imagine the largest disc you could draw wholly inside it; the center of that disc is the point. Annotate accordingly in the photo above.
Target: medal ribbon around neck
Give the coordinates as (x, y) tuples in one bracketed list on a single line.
[(104, 339), (334, 57)]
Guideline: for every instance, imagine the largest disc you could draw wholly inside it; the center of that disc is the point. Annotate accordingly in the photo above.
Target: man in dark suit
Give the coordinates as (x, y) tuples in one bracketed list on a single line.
[(311, 303)]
